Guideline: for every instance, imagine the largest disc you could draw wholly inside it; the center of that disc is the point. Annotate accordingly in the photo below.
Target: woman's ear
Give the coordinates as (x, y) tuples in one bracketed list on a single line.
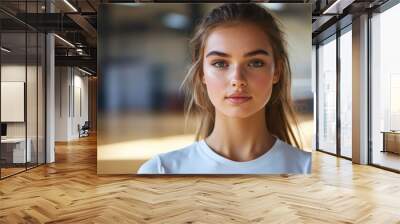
[(277, 75)]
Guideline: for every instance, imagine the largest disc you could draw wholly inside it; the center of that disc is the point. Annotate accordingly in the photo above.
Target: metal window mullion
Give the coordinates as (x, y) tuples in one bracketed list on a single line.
[(69, 93), (26, 87), (73, 92), (37, 90), (338, 98), (369, 98), (317, 96), (45, 92), (60, 90)]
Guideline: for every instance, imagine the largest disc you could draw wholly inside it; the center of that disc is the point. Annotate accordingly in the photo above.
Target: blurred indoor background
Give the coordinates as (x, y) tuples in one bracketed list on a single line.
[(143, 54)]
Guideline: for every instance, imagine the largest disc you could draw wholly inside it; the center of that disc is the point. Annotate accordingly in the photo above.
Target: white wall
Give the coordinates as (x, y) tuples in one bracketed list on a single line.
[(17, 73), (62, 81), (33, 126), (80, 89), (71, 87)]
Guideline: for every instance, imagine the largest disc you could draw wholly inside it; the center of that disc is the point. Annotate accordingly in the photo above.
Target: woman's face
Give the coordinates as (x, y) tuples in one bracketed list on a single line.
[(239, 69)]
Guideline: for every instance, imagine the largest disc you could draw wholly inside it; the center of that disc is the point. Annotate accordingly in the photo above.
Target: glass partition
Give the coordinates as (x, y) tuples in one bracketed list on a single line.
[(346, 93), (35, 87), (327, 95), (14, 152), (22, 91), (31, 100), (385, 89)]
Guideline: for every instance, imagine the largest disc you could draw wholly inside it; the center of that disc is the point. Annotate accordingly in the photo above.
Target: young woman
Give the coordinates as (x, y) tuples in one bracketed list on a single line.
[(239, 84)]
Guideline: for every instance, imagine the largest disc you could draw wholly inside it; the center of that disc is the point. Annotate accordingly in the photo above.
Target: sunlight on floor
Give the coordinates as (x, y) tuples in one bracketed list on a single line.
[(143, 149), (126, 157)]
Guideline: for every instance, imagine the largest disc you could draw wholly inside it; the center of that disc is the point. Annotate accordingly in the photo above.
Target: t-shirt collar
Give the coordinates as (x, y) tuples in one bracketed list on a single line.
[(204, 148)]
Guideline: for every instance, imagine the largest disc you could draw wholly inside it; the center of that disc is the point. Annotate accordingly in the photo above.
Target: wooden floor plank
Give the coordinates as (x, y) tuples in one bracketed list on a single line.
[(70, 191)]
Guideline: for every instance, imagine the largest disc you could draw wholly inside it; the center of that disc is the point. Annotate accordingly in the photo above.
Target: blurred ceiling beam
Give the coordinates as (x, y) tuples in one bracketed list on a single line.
[(73, 12), (86, 26)]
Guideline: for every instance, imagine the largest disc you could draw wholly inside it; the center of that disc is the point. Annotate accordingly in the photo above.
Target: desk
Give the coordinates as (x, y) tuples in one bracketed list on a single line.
[(16, 148), (391, 141)]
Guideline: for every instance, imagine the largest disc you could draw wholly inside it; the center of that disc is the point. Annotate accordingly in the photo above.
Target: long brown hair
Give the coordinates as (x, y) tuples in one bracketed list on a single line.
[(280, 115)]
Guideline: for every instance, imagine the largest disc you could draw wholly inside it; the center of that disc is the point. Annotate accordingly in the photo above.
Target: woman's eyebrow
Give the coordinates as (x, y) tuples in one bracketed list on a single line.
[(251, 53), (218, 53), (258, 51)]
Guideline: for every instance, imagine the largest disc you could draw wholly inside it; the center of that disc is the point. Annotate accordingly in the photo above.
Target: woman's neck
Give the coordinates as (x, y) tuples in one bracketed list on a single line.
[(240, 139)]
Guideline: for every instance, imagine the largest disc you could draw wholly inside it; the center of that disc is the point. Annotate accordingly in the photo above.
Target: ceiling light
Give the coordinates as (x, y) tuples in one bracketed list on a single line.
[(70, 5), (86, 72), (5, 49), (64, 40), (331, 7), (338, 6)]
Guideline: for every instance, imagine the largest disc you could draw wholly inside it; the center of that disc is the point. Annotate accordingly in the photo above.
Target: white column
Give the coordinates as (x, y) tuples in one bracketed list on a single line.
[(360, 90), (50, 94)]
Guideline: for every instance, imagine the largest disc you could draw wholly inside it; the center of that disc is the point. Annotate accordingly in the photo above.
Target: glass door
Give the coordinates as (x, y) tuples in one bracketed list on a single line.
[(327, 95)]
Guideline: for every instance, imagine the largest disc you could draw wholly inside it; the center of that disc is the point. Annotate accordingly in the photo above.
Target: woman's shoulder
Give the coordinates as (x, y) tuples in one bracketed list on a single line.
[(158, 163), (297, 157), (289, 149)]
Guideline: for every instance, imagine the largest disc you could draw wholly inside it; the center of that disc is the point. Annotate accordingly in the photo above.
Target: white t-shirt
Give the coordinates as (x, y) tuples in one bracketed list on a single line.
[(199, 158)]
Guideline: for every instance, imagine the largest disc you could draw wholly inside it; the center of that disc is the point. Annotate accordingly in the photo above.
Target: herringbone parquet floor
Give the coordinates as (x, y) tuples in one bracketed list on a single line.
[(69, 191)]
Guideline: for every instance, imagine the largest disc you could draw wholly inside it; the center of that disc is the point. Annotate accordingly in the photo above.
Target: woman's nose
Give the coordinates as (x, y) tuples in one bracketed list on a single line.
[(237, 80), (238, 83)]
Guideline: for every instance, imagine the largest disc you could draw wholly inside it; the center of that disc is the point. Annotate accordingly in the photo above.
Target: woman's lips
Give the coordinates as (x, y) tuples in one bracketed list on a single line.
[(238, 99)]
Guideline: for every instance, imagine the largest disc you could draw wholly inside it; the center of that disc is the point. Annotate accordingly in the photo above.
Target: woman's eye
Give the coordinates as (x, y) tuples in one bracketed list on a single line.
[(256, 64), (220, 64)]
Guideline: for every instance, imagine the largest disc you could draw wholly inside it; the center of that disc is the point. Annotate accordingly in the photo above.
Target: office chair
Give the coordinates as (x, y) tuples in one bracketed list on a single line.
[(84, 130)]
